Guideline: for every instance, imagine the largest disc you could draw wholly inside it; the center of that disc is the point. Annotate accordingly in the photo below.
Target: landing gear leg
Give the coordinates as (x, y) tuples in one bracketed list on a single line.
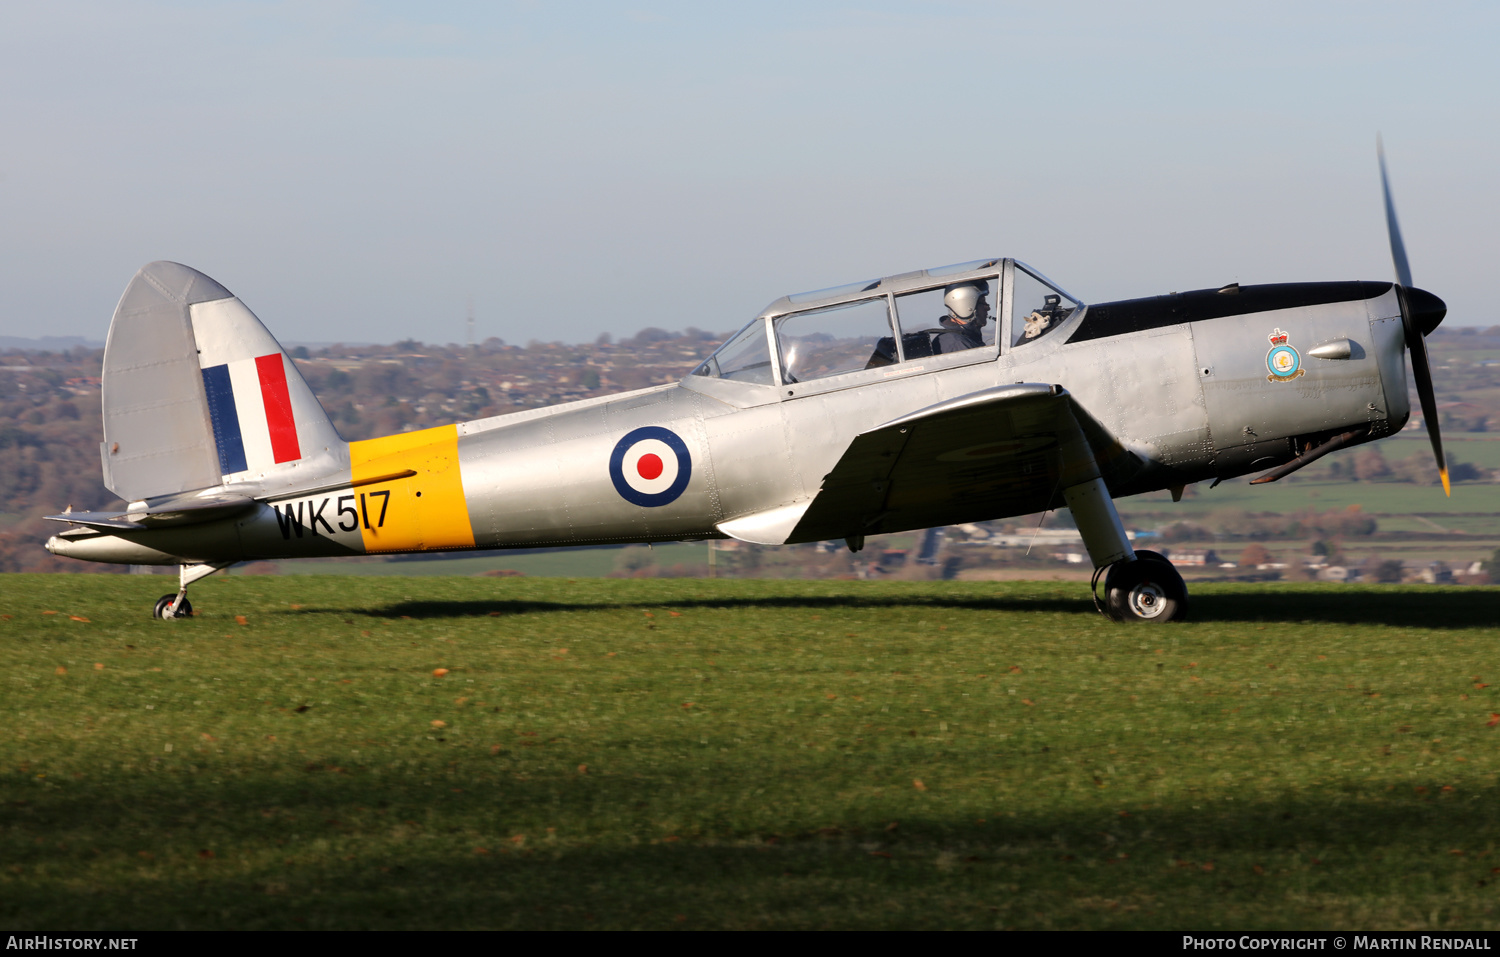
[(177, 606), (1138, 585)]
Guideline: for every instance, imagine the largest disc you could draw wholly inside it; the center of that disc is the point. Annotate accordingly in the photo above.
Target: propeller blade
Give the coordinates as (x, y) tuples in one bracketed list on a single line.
[(1398, 248), (1422, 373)]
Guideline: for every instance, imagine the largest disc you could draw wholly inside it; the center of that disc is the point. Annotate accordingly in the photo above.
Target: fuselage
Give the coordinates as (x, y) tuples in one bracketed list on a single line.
[(1199, 386)]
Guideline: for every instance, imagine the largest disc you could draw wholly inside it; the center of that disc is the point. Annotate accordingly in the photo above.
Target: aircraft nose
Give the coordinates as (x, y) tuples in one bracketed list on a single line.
[(1427, 310)]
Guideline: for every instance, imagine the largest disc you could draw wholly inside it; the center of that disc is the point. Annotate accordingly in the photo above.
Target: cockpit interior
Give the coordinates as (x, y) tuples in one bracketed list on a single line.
[(951, 315)]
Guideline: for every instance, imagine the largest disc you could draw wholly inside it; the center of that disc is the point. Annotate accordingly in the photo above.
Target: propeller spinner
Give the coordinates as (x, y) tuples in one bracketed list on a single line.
[(1421, 312)]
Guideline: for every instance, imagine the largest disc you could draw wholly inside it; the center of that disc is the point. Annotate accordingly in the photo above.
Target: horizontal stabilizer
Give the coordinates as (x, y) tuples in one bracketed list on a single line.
[(179, 510)]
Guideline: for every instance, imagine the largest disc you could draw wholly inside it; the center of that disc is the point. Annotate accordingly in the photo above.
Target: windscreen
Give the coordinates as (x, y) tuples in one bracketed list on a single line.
[(746, 357)]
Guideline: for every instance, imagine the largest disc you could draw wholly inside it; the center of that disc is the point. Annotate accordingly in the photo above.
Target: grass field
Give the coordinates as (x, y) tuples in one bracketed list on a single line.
[(1286, 497), (683, 753)]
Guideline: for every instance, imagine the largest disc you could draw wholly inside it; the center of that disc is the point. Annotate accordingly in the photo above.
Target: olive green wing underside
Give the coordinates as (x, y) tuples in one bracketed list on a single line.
[(990, 454)]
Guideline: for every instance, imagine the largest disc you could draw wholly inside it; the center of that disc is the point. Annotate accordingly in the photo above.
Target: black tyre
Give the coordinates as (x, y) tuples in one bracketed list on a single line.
[(1147, 590), (164, 605)]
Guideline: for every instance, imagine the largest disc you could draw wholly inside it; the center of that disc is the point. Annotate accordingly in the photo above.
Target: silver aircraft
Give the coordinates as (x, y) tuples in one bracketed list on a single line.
[(935, 397)]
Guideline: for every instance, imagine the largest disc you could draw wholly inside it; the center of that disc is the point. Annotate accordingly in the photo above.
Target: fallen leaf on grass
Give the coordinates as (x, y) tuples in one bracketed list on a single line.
[(206, 854), (518, 840), (675, 614), (583, 769), (208, 737), (917, 783), (1477, 684), (81, 618), (1015, 669), (1494, 720), (146, 855), (831, 696), (439, 672), (686, 705), (49, 612), (893, 825), (1421, 790), (296, 607), (1456, 851), (98, 666), (61, 670), (439, 723), (481, 850), (241, 620), (1258, 869), (1027, 701), (671, 839)]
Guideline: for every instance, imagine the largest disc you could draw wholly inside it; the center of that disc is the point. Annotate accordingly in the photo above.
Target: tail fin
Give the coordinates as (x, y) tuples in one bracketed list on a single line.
[(197, 393)]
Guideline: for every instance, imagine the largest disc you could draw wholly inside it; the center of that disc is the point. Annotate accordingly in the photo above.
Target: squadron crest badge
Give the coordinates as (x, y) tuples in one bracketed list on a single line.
[(1282, 361)]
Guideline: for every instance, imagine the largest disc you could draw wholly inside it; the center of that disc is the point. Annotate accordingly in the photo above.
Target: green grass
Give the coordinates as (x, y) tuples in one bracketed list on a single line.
[(1286, 497), (683, 753)]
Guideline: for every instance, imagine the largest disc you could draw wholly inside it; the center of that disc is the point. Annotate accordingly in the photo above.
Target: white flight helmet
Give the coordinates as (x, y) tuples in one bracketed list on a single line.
[(962, 298)]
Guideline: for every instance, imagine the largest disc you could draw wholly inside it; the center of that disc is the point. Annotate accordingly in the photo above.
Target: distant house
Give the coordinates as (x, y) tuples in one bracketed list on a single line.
[(1193, 556)]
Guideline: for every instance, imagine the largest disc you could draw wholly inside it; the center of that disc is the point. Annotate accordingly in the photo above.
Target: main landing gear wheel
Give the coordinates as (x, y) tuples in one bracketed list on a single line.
[(1147, 589), (163, 608)]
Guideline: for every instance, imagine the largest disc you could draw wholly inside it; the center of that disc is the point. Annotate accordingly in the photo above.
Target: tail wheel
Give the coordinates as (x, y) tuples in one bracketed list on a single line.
[(163, 607), (1147, 589)]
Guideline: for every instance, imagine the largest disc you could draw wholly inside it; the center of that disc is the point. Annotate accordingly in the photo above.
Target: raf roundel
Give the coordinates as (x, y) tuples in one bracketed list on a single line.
[(650, 466)]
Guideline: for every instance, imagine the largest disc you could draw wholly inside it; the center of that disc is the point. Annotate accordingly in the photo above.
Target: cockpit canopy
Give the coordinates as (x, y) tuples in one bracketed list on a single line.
[(949, 315)]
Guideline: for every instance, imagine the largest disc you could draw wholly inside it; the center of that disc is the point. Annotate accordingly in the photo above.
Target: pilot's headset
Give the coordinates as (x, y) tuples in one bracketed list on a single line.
[(962, 299)]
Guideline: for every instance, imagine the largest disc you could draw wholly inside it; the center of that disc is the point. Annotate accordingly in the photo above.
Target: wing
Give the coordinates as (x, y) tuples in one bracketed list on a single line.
[(1004, 451)]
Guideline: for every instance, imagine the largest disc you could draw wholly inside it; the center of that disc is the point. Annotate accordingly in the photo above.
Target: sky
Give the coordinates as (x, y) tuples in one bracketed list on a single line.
[(363, 171)]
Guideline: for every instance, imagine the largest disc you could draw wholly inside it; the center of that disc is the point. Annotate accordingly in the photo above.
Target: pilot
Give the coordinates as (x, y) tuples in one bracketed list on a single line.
[(968, 311)]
